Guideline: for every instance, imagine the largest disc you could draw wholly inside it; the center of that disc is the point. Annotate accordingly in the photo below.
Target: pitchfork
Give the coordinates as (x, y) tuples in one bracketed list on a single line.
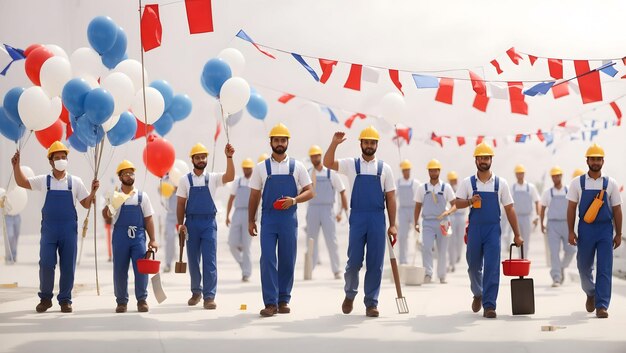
[(403, 308)]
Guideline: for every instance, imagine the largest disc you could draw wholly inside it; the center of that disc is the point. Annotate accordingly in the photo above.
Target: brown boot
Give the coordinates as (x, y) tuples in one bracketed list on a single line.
[(43, 305), (283, 308), (346, 306), (121, 308), (590, 304), (209, 304), (142, 306), (270, 310), (195, 299), (489, 313), (601, 313), (371, 311), (66, 307), (477, 302)]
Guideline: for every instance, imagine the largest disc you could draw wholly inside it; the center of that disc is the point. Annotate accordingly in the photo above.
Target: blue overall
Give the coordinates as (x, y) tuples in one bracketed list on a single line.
[(595, 240), (320, 214), (279, 228), (129, 245), (455, 246), (13, 223), (59, 232), (523, 202), (238, 238), (483, 246), (202, 239), (367, 229), (171, 236), (558, 234), (406, 207), (431, 231)]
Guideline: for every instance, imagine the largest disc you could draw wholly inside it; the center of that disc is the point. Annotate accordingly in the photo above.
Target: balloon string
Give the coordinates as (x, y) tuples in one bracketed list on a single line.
[(145, 107), (224, 117), (395, 126)]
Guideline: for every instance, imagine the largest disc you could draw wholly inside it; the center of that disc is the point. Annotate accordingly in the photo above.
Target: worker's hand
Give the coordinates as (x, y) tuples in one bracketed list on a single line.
[(95, 184), (153, 245), (443, 215), (573, 239), (475, 198), (252, 229), (289, 201), (617, 240), (417, 227), (393, 233), (543, 229), (338, 217), (517, 239), (535, 222), (227, 221), (182, 230), (229, 150), (15, 161), (338, 138)]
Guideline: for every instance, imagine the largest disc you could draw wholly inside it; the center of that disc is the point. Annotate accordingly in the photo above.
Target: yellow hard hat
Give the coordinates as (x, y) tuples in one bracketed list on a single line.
[(556, 170), (280, 130), (57, 146), (167, 189), (433, 164), (263, 157), (369, 133), (578, 172), (483, 150), (247, 163), (520, 169), (315, 149), (595, 151), (125, 164), (452, 175), (405, 164), (198, 148)]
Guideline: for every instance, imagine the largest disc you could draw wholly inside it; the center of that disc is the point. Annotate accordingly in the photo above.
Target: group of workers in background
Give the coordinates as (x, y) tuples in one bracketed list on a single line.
[(279, 183)]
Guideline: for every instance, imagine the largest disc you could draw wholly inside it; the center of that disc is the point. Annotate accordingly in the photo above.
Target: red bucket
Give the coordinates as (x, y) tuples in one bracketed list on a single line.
[(516, 267), (148, 265)]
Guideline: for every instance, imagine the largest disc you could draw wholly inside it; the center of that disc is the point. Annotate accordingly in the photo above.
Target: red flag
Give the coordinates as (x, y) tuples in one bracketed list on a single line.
[(518, 105), (479, 139), (495, 143), (495, 64), (560, 90), (351, 119), (354, 79), (460, 140), (540, 135), (142, 131), (556, 68), (446, 88), (218, 129), (151, 29), (438, 139), (618, 113), (515, 57), (624, 60), (480, 102), (327, 69), (588, 81), (199, 16), (478, 84), (562, 123), (286, 98), (532, 59), (393, 74)]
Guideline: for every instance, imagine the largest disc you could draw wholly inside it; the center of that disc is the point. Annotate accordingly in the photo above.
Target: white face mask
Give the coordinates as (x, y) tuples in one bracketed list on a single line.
[(60, 164)]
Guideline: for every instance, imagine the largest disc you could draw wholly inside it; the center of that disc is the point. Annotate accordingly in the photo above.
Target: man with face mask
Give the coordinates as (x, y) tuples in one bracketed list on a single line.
[(595, 238), (484, 193), (285, 183), (130, 222), (59, 227), (196, 221), (238, 239), (372, 187)]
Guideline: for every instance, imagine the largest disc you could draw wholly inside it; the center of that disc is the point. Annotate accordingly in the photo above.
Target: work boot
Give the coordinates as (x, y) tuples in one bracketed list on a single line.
[(556, 284), (477, 302), (167, 269), (442, 281), (270, 310), (346, 306), (371, 311), (283, 308), (590, 304), (195, 299), (209, 304), (66, 307), (337, 275), (489, 313), (428, 279), (245, 279), (601, 313), (121, 308), (43, 305), (142, 306), (562, 275)]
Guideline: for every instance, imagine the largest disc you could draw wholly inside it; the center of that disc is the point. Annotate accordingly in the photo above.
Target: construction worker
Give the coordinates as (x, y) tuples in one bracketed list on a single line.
[(284, 182), (167, 189), (407, 188), (484, 193), (595, 239), (320, 212), (131, 213), (526, 199), (556, 228), (238, 239), (431, 201), (372, 187), (458, 220), (59, 227), (195, 213)]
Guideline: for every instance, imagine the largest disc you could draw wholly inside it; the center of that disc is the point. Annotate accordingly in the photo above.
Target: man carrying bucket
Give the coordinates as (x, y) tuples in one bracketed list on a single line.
[(132, 212), (483, 193)]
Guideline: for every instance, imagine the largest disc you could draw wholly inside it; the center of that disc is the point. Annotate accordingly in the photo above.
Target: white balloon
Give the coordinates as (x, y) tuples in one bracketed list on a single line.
[(155, 105), (132, 69), (36, 109), (57, 50), (28, 172), (55, 72), (16, 201), (234, 59), (110, 123), (121, 88), (86, 62), (92, 81), (392, 107), (234, 95), (178, 170)]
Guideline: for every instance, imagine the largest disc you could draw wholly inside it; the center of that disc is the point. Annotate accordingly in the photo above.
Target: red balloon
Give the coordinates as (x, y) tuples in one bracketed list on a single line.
[(65, 115), (68, 131), (34, 61), (158, 155), (31, 48), (47, 136), (141, 129)]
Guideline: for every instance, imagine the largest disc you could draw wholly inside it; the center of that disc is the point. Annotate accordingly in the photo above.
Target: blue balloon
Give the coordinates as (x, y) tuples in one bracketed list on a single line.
[(115, 55), (180, 107), (88, 133), (257, 107), (102, 34), (73, 95), (8, 128), (164, 124), (215, 72), (77, 144), (166, 91), (99, 106), (10, 104), (124, 130)]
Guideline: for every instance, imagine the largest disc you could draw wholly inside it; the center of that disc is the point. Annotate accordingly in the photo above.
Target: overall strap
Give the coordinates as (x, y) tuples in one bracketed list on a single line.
[(473, 182), (426, 188), (566, 190), (292, 166), (552, 193), (527, 187), (582, 182), (443, 185), (139, 198), (268, 167), (328, 173), (357, 166), (496, 186), (379, 170), (48, 182), (69, 182), (190, 180), (206, 180), (605, 183)]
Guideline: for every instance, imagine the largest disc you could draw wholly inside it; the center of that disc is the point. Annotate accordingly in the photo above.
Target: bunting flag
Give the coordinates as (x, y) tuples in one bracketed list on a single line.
[(539, 89), (199, 16), (299, 58), (518, 105), (480, 102), (332, 115), (446, 88), (479, 139), (514, 56), (370, 74), (460, 140), (495, 64), (327, 69), (607, 68), (14, 55), (422, 81), (438, 139), (520, 138), (151, 29), (532, 59), (588, 81), (495, 143), (498, 92), (478, 84), (405, 133), (354, 79), (351, 119), (618, 113), (286, 98), (555, 66), (395, 78), (560, 90), (241, 34), (540, 135)]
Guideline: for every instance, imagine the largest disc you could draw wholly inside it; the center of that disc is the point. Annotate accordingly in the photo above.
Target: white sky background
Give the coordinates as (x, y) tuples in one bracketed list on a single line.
[(416, 36)]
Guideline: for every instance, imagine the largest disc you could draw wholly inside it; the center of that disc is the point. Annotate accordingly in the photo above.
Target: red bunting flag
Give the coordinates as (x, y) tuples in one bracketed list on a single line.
[(562, 123), (446, 88), (520, 138), (199, 16), (286, 98), (352, 117), (514, 56), (518, 105), (479, 139), (588, 81), (532, 59), (480, 102), (354, 78), (540, 135), (556, 68), (438, 139), (393, 74), (460, 140), (495, 64), (495, 143), (618, 113), (478, 84), (560, 90), (151, 29), (327, 69)]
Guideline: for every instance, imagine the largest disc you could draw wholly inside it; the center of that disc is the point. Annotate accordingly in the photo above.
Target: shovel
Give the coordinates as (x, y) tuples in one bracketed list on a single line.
[(403, 308), (181, 267), (157, 287)]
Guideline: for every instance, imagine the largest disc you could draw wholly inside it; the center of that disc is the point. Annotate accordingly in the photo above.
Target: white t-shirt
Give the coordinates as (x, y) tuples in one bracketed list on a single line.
[(235, 184), (504, 193), (259, 174), (546, 198), (346, 167), (146, 205), (534, 194), (79, 191), (215, 181), (612, 189), (448, 193), (335, 180)]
